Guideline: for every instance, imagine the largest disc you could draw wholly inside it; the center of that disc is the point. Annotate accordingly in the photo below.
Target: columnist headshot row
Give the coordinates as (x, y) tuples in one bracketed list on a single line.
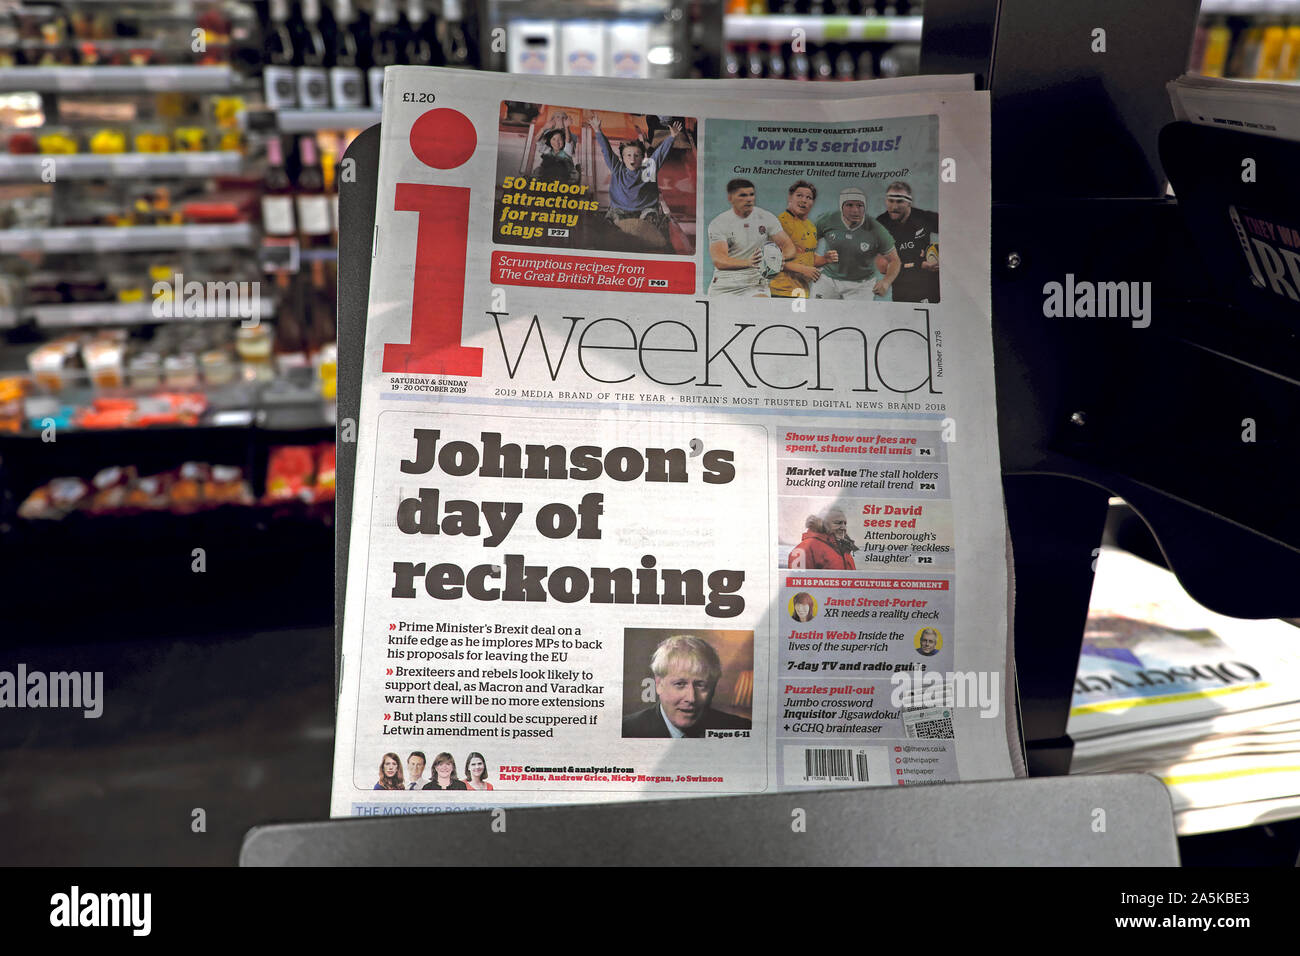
[(442, 774)]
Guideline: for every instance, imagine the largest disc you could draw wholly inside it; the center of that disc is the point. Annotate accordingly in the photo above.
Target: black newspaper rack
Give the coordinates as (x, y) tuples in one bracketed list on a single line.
[(1187, 413), (1147, 407)]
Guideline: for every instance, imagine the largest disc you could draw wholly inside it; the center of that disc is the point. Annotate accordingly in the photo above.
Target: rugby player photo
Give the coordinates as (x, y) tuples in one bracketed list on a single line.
[(805, 268), (747, 244), (916, 237), (850, 242)]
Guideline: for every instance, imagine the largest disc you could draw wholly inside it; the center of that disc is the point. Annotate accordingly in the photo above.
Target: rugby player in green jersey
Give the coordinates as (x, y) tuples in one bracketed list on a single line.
[(851, 242)]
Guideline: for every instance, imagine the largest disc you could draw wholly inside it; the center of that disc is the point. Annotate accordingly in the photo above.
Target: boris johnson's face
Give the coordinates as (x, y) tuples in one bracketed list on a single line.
[(684, 696)]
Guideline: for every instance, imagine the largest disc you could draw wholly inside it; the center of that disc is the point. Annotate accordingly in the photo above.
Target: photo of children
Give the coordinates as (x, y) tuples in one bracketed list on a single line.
[(860, 220), (595, 179), (555, 153)]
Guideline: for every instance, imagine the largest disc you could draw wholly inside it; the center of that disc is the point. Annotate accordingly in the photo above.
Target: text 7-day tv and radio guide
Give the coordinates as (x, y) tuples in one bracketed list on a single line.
[(677, 468)]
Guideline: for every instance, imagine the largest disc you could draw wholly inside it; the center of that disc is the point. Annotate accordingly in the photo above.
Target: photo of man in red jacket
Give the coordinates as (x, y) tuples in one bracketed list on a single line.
[(826, 545)]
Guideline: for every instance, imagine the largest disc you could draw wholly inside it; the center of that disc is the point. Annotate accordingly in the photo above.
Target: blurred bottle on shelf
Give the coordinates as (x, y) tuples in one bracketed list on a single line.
[(866, 66), (776, 63), (902, 59), (277, 193), (11, 53), (347, 82), (290, 346), (822, 69), (731, 65), (385, 46), (844, 66), (1289, 60), (1217, 42), (454, 33), (417, 50), (313, 85), (1196, 57), (320, 310), (800, 68), (329, 158), (279, 84), (315, 219), (1272, 42), (1243, 60)]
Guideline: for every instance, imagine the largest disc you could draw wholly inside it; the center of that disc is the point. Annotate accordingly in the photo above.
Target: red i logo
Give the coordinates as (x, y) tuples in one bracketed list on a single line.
[(441, 139)]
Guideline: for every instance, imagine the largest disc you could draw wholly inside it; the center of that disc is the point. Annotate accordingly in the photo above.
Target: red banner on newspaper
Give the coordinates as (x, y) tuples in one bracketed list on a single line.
[(888, 584), (546, 271)]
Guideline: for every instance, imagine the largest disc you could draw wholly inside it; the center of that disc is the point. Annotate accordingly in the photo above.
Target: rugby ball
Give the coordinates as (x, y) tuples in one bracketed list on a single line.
[(771, 261), (932, 254)]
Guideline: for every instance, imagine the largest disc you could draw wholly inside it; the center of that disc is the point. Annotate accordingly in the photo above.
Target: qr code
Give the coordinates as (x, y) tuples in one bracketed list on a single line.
[(931, 729)]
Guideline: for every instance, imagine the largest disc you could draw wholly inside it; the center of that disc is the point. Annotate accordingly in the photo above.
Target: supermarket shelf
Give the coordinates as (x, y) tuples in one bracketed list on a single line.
[(116, 79), (272, 407), (85, 314), (107, 44), (1246, 8), (309, 121), (739, 28), (28, 168), (126, 238)]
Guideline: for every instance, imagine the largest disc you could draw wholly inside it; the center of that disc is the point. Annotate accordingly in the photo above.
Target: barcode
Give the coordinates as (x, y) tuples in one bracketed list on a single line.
[(827, 764), (931, 729)]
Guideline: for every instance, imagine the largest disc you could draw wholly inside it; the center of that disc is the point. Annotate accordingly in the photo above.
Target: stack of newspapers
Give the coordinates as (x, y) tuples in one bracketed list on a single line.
[(662, 496), (1248, 106), (1210, 704)]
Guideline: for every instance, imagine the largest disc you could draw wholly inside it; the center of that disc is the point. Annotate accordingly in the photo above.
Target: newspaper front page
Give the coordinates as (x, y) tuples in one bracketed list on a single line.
[(677, 460)]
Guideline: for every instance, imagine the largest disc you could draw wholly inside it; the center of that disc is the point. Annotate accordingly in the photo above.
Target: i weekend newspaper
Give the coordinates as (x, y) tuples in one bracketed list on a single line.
[(677, 462)]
